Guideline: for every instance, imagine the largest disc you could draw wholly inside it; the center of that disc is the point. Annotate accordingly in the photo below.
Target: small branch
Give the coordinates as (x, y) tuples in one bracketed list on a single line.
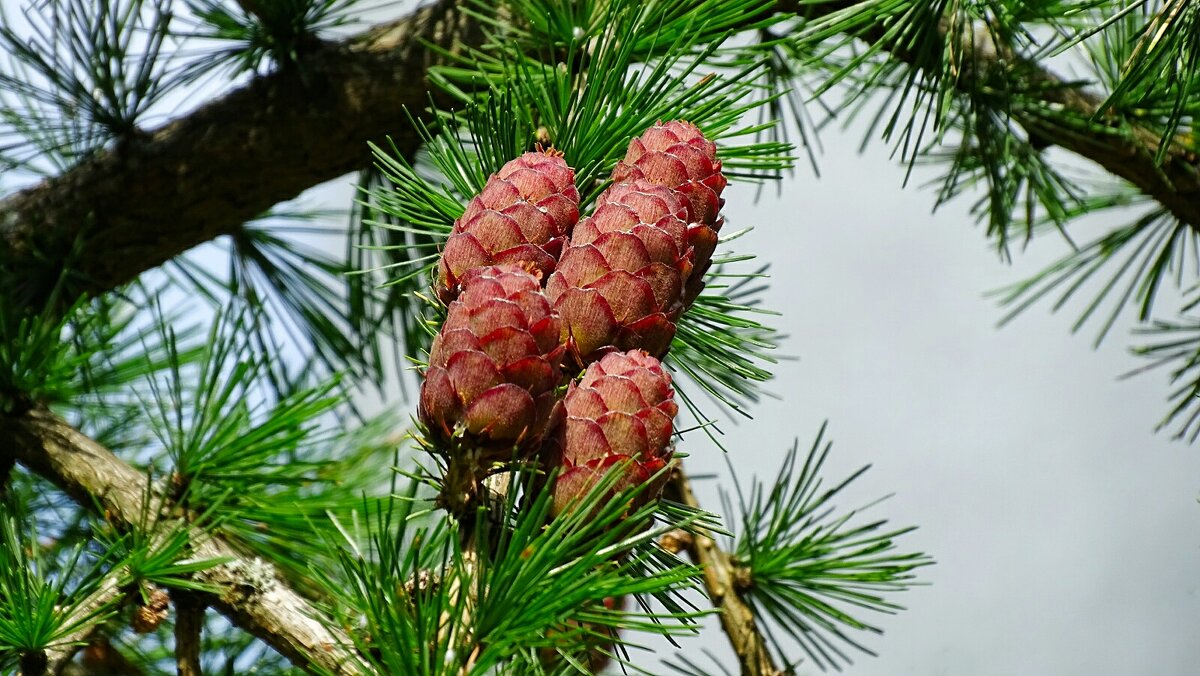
[(32, 663), (6, 468), (189, 622), (723, 579), (1128, 152), (255, 597)]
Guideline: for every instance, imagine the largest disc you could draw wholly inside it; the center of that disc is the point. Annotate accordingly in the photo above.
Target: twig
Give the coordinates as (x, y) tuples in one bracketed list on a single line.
[(6, 467), (255, 597), (1130, 155), (722, 580), (189, 622)]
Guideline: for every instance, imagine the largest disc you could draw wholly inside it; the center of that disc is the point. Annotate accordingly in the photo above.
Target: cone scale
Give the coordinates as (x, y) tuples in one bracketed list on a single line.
[(676, 155), (522, 217), (618, 417), (494, 366), (619, 285)]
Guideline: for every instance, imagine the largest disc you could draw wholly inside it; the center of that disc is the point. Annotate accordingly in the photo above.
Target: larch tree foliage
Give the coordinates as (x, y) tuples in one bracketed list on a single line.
[(188, 480)]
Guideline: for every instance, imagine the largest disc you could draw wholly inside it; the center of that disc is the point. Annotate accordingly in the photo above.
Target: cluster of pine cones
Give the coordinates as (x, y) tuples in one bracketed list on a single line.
[(535, 295)]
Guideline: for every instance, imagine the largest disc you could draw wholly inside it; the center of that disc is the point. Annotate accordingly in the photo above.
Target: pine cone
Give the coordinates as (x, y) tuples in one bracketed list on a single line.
[(619, 284), (147, 616), (522, 217), (619, 415), (677, 155), (494, 367)]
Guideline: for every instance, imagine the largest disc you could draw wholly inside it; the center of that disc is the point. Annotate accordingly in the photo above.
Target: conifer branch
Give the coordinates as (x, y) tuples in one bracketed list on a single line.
[(255, 597), (724, 580), (254, 8), (1129, 151)]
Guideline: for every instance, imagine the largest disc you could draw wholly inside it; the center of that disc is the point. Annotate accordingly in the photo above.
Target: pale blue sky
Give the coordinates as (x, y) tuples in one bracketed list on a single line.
[(1067, 533)]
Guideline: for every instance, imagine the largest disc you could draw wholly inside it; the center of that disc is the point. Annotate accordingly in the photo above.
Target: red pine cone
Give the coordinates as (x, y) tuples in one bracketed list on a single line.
[(494, 367), (619, 415), (522, 216), (677, 155), (618, 285)]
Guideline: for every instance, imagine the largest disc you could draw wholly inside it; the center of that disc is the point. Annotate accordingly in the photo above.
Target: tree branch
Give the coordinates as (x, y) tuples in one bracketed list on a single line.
[(254, 596), (254, 8), (101, 658), (152, 197), (722, 580)]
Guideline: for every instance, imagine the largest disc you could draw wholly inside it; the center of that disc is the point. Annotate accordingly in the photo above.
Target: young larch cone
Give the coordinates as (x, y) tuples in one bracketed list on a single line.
[(618, 286), (619, 417), (677, 155), (522, 217), (494, 367)]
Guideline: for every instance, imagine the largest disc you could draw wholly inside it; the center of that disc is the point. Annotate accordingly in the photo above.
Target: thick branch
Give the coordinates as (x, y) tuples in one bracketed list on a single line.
[(154, 196), (721, 579), (254, 596)]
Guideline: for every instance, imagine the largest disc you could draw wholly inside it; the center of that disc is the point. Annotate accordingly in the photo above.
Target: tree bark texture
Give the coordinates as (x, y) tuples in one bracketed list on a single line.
[(189, 624)]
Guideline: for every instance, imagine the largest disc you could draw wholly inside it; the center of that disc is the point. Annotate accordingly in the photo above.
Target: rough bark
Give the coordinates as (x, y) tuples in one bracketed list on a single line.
[(152, 197), (254, 595)]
